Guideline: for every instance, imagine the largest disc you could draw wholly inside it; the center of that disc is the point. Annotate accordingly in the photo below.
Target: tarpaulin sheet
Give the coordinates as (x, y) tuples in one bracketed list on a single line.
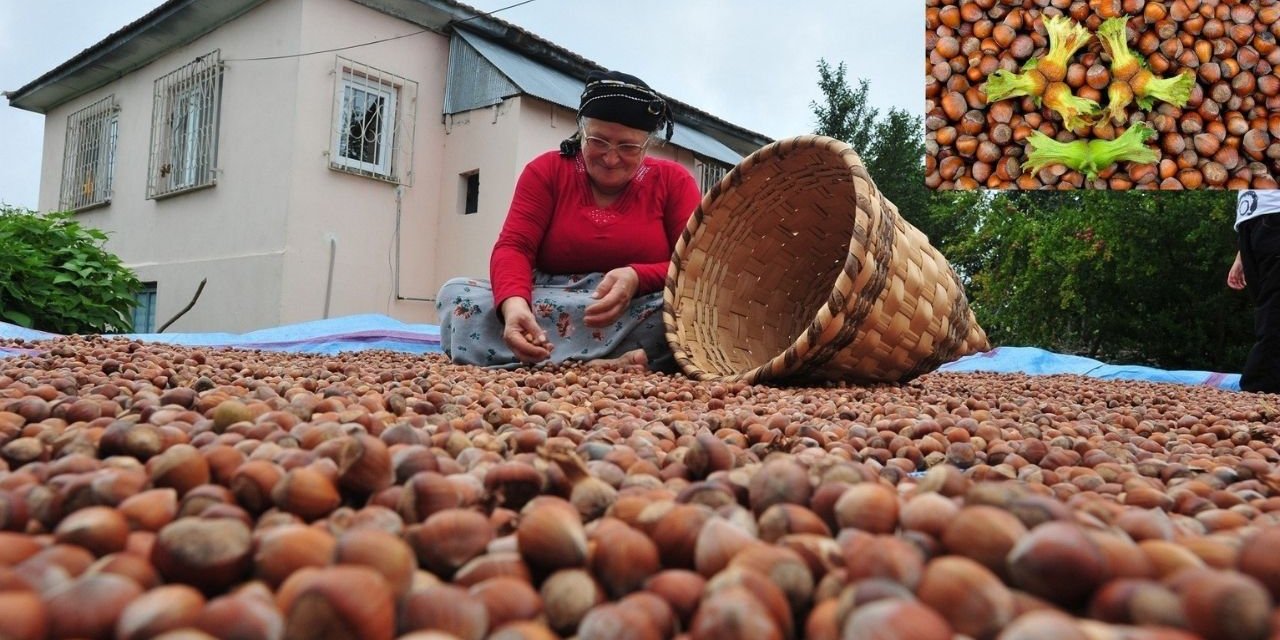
[(373, 331), (1033, 361), (331, 336)]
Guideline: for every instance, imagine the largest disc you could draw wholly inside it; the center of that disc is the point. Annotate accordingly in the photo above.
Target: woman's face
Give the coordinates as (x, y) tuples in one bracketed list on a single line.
[(612, 152)]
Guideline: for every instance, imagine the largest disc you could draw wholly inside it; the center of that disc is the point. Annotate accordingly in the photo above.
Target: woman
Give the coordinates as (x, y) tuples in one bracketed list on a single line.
[(577, 271)]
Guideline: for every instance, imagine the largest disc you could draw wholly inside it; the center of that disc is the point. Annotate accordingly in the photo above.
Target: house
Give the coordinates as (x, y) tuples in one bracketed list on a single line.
[(247, 142)]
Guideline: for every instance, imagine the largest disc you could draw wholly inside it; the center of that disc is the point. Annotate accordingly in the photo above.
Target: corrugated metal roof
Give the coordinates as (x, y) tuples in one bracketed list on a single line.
[(557, 87)]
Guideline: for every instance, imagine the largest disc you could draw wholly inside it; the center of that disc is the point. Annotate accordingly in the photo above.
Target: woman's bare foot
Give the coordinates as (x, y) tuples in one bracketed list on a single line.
[(635, 358)]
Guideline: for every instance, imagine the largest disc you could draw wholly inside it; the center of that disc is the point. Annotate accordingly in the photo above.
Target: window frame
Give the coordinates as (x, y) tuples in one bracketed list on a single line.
[(385, 137), (150, 295), (395, 127), (185, 123), (88, 168)]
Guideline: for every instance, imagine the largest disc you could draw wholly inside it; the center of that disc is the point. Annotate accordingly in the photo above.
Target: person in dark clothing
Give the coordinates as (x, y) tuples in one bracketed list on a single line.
[(1257, 265)]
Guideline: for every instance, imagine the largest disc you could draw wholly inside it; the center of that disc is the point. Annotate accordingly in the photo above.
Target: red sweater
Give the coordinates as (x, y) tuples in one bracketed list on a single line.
[(555, 226)]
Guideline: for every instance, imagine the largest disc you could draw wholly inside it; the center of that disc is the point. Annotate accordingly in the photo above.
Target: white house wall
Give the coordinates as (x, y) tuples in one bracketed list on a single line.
[(178, 240), (262, 236), (359, 213)]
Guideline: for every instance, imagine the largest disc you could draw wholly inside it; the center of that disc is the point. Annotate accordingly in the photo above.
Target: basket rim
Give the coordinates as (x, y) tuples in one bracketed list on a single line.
[(796, 356)]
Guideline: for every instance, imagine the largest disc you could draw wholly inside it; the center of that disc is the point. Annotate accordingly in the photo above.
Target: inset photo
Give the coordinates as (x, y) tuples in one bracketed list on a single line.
[(1102, 94)]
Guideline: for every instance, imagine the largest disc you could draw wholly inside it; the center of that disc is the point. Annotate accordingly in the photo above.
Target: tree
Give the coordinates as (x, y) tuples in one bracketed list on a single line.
[(1122, 276), (892, 147), (55, 276)]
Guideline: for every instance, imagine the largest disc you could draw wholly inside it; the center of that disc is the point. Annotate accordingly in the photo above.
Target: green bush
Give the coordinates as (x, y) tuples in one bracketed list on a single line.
[(55, 276)]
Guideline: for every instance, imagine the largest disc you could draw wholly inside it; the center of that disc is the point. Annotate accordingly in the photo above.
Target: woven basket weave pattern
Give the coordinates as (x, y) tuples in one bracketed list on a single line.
[(796, 267)]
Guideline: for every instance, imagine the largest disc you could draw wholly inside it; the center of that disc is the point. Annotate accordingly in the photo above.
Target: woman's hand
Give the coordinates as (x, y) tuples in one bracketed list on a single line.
[(612, 297), (1235, 277), (521, 332)]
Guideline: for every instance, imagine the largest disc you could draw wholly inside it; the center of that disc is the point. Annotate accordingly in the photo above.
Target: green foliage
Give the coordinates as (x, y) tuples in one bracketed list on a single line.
[(1136, 277), (1127, 277), (55, 276), (891, 147)]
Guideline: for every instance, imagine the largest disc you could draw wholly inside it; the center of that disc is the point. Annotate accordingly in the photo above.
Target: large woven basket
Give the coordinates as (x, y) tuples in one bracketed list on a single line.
[(796, 269)]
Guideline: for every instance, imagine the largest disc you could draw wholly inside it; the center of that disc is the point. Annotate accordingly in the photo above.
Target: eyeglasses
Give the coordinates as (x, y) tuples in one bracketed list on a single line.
[(627, 150)]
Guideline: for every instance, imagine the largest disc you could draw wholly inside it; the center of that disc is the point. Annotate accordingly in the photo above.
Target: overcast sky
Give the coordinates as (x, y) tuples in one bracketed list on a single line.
[(751, 62)]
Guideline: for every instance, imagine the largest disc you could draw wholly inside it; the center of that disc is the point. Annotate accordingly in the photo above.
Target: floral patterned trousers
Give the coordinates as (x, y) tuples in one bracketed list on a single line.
[(471, 331)]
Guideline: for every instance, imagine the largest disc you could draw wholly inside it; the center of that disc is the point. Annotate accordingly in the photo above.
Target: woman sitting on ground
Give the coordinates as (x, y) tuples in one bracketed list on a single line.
[(577, 271)]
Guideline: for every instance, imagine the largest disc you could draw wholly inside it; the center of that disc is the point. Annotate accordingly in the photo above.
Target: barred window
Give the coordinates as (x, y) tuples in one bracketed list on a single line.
[(88, 160), (373, 123), (184, 128), (710, 173)]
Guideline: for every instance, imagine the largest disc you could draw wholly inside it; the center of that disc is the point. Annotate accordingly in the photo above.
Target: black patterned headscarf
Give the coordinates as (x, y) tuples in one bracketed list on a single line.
[(622, 98)]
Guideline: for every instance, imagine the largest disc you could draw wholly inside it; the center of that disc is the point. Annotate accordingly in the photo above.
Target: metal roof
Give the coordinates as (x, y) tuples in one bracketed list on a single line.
[(541, 81)]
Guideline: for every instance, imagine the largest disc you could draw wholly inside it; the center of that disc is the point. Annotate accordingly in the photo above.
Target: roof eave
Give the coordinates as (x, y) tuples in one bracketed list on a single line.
[(137, 44)]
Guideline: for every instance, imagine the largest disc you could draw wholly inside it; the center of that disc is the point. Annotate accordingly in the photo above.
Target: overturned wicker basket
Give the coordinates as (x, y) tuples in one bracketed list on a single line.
[(795, 268)]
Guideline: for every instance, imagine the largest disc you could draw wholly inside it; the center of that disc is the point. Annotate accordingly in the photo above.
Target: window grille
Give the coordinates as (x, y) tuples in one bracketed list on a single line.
[(373, 123), (88, 161), (144, 314), (184, 128), (710, 174)]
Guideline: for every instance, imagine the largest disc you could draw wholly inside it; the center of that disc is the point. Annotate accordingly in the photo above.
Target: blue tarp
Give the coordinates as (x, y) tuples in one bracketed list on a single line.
[(348, 333), (1033, 361), (360, 332)]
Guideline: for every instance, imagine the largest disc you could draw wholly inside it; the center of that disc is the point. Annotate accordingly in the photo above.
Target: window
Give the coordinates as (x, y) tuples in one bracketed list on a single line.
[(184, 128), (471, 192), (144, 315), (372, 123), (88, 161), (710, 173)]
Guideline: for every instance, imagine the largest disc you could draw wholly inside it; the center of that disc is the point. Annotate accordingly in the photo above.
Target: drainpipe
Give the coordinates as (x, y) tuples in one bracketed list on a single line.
[(328, 286), (396, 276)]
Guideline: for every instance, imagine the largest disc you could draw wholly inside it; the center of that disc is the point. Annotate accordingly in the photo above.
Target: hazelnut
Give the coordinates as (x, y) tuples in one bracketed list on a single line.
[(611, 620), (1057, 561), (101, 530), (306, 492), (340, 601), (967, 594), (448, 539), (871, 507), (150, 510), (380, 550), (681, 588), (245, 613), (210, 555), (567, 596), (784, 518), (895, 618), (25, 617), (180, 467), (446, 608), (550, 535), (508, 600), (89, 606), (161, 609), (717, 543), (780, 480), (734, 611), (985, 534), (622, 558), (280, 551)]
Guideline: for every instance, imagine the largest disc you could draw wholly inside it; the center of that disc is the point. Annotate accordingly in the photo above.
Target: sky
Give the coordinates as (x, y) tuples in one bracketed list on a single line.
[(751, 62)]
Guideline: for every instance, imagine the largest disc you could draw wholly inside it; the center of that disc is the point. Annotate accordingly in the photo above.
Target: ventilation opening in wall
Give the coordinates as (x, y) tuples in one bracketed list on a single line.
[(470, 192)]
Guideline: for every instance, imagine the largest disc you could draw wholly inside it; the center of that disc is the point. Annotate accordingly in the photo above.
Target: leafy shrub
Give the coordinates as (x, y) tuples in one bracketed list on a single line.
[(55, 276)]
